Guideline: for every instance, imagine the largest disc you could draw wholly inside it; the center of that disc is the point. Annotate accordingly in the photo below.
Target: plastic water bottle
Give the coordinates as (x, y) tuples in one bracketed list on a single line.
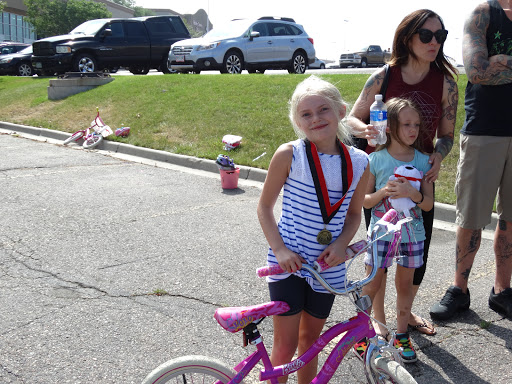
[(379, 119)]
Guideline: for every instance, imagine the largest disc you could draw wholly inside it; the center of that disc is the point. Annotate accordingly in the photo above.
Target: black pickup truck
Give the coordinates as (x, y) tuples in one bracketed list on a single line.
[(139, 44)]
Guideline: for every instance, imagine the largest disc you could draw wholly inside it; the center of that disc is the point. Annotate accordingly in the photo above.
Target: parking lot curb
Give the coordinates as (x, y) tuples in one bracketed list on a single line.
[(443, 212)]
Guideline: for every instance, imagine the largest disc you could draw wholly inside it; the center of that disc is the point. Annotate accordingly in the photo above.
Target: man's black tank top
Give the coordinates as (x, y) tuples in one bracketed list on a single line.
[(488, 107)]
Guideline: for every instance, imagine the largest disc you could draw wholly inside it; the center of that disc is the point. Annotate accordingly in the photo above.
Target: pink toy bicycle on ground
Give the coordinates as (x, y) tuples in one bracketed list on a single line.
[(382, 362), (93, 135)]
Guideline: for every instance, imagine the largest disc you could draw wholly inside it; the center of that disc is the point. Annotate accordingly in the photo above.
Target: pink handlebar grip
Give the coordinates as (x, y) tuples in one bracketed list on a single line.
[(269, 270), (389, 216), (275, 269)]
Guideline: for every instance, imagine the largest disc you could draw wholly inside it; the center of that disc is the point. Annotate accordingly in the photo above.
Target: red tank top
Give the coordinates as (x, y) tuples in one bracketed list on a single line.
[(427, 94)]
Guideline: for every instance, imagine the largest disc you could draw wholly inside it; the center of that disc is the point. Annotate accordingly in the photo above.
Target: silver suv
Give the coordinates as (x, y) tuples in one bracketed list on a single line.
[(254, 45)]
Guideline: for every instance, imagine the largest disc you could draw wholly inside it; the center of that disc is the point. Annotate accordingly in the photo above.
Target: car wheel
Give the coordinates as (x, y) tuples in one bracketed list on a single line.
[(24, 69), (165, 67), (322, 66), (85, 63), (364, 63), (298, 63), (232, 63)]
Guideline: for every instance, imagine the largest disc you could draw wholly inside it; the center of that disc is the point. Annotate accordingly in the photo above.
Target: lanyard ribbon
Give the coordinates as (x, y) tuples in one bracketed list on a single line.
[(328, 210)]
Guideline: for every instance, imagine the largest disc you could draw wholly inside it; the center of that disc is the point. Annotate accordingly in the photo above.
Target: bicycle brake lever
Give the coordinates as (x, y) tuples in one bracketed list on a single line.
[(397, 227)]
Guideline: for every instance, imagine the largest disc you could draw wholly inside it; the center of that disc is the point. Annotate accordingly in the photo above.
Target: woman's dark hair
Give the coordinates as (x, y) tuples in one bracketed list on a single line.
[(404, 34)]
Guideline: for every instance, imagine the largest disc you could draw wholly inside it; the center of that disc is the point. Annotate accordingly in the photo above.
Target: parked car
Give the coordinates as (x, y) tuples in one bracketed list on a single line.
[(317, 64), (17, 63), (251, 44), (367, 56), (8, 47), (138, 44)]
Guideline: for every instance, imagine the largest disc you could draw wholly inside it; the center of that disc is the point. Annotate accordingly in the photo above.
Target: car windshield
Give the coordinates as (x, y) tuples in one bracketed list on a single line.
[(364, 49), (26, 50), (232, 29), (90, 27)]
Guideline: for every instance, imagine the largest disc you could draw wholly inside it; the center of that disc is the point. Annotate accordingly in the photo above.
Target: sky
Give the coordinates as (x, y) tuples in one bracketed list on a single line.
[(336, 26)]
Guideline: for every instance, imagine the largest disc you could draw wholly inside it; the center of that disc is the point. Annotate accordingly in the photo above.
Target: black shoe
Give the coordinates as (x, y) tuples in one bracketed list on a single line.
[(501, 302), (454, 300)]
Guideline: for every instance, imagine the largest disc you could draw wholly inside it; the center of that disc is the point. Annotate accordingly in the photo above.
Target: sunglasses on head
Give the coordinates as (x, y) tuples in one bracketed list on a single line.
[(426, 35)]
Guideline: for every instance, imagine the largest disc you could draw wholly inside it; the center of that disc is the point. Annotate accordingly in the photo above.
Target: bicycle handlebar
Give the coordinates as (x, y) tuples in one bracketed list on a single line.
[(382, 228), (352, 251)]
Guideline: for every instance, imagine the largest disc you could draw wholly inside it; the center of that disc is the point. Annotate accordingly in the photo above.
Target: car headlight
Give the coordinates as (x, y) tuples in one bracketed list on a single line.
[(356, 56), (5, 61), (62, 49), (208, 46)]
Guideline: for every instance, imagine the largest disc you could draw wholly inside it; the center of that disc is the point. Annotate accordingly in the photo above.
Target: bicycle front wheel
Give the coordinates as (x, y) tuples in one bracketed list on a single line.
[(74, 137), (386, 370), (191, 369), (92, 141)]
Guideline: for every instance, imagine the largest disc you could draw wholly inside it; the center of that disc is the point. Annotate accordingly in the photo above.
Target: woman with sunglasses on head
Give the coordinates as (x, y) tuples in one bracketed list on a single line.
[(419, 71)]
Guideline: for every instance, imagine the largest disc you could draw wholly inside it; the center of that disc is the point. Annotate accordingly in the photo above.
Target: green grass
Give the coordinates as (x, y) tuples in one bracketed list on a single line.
[(160, 292), (189, 114)]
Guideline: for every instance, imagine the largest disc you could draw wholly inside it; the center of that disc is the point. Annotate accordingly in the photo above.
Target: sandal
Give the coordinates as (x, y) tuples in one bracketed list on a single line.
[(383, 337), (425, 327)]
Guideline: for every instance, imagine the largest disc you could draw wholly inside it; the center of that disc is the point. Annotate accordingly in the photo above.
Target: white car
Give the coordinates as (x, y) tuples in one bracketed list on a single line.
[(317, 64), (254, 45)]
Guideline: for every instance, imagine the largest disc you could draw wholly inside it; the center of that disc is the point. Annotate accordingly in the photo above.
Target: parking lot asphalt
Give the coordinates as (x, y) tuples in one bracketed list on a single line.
[(113, 261)]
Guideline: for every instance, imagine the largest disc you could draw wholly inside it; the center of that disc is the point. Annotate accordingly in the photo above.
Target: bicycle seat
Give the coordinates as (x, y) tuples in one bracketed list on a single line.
[(233, 319)]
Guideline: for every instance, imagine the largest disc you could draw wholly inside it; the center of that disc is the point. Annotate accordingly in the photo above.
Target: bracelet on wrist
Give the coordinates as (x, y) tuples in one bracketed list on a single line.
[(421, 201)]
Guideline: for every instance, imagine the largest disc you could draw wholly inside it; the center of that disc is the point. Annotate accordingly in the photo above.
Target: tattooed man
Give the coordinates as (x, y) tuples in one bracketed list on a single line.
[(485, 164)]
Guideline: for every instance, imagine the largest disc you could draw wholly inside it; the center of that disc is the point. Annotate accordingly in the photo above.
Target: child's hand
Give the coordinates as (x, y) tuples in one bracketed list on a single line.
[(400, 188), (334, 254), (288, 260)]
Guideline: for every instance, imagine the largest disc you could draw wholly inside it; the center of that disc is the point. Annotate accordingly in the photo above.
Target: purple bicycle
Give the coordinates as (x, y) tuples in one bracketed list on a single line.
[(382, 362)]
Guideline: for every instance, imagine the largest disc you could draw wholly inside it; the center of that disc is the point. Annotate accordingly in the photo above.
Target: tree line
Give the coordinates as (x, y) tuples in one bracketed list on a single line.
[(59, 17)]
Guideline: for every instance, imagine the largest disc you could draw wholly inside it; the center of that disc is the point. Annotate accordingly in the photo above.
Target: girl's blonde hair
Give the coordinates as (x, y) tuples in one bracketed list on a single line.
[(395, 106), (314, 86)]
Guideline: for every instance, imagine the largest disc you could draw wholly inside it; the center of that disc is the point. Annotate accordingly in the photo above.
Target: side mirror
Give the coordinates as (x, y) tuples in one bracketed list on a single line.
[(253, 35), (106, 32)]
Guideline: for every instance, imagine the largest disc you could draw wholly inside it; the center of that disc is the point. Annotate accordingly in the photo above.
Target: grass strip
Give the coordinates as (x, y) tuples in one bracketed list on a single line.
[(189, 114)]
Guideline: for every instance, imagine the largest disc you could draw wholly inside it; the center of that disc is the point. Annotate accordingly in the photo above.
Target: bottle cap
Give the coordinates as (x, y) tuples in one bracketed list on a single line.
[(378, 97)]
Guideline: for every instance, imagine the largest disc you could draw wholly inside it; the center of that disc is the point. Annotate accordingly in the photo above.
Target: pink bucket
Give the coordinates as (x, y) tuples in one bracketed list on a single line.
[(229, 179)]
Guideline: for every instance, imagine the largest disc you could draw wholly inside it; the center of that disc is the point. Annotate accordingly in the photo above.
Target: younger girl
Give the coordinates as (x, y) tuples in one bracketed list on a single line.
[(403, 135), (324, 183)]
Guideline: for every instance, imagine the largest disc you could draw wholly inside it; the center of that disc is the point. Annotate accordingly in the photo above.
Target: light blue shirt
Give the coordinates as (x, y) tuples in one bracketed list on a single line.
[(382, 166)]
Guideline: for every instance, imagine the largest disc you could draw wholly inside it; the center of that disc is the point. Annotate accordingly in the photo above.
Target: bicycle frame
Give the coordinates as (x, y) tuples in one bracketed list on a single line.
[(356, 329), (97, 126)]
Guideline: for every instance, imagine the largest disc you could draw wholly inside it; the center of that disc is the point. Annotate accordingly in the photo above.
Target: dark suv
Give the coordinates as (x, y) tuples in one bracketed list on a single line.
[(255, 45), (139, 44)]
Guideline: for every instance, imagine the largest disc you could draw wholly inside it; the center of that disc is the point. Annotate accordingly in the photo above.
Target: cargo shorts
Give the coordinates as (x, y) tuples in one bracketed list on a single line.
[(484, 171)]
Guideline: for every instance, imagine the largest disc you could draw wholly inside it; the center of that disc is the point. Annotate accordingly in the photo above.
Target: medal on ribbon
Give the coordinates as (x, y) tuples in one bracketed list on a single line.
[(324, 237)]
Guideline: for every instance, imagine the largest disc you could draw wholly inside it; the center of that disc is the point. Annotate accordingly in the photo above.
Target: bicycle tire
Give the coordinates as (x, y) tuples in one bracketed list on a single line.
[(386, 370), (92, 141), (74, 137), (191, 369)]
